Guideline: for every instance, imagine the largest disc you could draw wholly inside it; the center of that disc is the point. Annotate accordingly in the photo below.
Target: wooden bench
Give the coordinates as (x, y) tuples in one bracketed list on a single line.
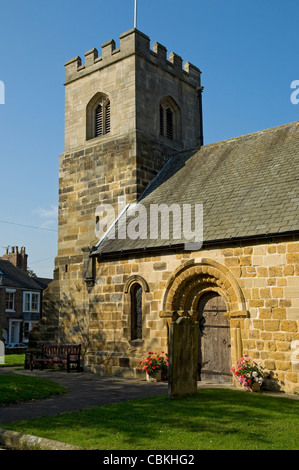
[(62, 354)]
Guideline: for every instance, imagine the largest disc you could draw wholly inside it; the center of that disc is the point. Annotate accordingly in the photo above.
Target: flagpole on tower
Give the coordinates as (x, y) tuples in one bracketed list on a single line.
[(135, 15)]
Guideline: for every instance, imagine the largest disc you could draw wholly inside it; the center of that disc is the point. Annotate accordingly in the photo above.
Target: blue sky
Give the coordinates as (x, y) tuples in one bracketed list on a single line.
[(248, 53)]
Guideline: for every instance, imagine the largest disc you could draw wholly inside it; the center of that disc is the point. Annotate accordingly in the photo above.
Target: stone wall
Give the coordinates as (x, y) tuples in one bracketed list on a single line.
[(90, 300), (135, 79), (267, 277)]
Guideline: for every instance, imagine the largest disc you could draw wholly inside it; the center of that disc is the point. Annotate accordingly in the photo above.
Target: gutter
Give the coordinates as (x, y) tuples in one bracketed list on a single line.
[(121, 253)]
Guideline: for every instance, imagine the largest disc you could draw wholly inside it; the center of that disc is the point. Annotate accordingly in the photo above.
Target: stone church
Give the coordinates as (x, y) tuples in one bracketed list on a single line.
[(134, 140)]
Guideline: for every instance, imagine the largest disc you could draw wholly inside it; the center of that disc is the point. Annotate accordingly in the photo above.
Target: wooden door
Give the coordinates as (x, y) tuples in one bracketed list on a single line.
[(214, 340)]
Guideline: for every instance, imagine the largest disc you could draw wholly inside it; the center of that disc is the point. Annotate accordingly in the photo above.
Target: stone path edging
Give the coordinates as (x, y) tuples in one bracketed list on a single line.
[(19, 441)]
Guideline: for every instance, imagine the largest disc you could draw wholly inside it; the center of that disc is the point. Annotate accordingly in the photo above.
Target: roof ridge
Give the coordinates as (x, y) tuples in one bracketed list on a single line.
[(269, 129)]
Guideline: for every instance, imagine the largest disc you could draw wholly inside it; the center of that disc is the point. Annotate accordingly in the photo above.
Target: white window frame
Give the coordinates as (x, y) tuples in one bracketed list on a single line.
[(31, 324), (17, 323), (10, 291), (31, 293)]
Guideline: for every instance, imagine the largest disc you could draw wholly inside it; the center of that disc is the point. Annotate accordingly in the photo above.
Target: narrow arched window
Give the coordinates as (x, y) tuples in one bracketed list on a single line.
[(136, 312), (98, 116), (169, 119)]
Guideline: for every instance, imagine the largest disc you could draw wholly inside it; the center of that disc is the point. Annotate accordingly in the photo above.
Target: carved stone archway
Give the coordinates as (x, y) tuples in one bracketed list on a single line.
[(191, 281)]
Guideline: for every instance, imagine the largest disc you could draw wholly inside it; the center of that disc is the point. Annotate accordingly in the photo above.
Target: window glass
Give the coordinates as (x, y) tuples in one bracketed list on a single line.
[(136, 299), (26, 330), (31, 301), (27, 302), (35, 303), (10, 300)]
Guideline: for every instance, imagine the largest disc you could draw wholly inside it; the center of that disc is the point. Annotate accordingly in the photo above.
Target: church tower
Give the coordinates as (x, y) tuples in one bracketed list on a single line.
[(126, 112)]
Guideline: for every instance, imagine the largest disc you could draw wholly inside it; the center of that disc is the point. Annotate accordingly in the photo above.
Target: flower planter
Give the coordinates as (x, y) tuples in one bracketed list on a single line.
[(256, 387), (156, 367), (248, 373), (154, 378)]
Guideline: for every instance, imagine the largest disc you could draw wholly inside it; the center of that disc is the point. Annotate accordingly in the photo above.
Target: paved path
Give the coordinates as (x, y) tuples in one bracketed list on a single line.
[(86, 390)]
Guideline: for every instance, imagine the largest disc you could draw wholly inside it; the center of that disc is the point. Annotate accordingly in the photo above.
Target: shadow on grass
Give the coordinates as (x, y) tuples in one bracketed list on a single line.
[(16, 388), (213, 419)]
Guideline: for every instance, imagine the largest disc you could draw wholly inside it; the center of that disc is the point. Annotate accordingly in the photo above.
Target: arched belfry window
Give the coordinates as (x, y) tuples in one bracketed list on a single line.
[(136, 312), (169, 119), (98, 116)]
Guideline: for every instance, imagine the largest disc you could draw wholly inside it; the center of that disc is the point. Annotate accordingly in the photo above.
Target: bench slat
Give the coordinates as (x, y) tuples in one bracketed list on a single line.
[(65, 354)]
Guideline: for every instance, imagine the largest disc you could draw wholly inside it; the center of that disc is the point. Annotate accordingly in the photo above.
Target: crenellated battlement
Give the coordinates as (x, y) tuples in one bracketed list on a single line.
[(131, 42)]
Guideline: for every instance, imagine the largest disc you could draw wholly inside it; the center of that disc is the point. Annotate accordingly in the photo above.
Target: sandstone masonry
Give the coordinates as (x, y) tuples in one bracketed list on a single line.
[(90, 299)]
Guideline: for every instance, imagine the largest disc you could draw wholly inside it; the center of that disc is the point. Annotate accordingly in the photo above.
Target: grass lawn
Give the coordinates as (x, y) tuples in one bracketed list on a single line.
[(13, 360), (217, 419), (16, 388)]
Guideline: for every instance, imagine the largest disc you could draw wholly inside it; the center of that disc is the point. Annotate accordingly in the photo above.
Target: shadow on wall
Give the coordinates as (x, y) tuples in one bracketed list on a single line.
[(75, 318), (271, 383)]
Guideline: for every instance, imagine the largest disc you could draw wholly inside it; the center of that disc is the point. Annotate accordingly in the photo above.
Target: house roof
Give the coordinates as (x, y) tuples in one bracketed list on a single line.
[(11, 276), (43, 281), (248, 186)]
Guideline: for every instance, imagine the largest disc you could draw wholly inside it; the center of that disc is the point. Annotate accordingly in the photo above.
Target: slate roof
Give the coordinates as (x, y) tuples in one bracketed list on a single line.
[(43, 281), (249, 186), (13, 277)]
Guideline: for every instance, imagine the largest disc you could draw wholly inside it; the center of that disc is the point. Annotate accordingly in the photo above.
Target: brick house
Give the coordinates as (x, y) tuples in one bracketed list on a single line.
[(20, 297), (131, 118)]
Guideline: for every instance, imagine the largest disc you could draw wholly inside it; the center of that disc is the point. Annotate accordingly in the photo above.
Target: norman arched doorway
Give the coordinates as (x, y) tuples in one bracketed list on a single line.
[(199, 290), (214, 339)]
